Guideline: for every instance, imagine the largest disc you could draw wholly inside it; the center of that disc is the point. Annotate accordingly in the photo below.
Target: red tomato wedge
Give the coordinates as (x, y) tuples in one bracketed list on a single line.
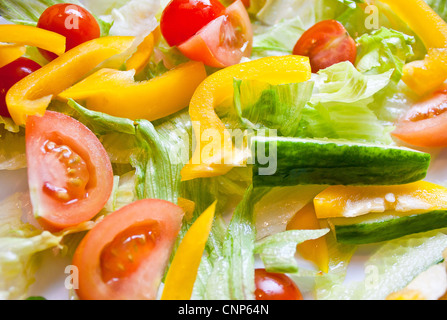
[(224, 41), (70, 176), (425, 124), (326, 43), (275, 286), (124, 256)]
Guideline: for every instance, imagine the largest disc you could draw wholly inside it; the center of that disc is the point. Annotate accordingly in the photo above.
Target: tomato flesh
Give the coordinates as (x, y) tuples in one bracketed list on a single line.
[(224, 41), (182, 19), (10, 75), (425, 124), (74, 22), (124, 257), (275, 286), (326, 43), (69, 172)]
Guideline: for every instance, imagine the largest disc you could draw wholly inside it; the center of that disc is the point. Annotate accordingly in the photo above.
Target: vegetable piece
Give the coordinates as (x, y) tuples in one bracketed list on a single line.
[(69, 172), (142, 235), (353, 201), (32, 95), (108, 90), (425, 76), (32, 36), (187, 258), (326, 43), (275, 286), (10, 53), (382, 227), (11, 74), (143, 54), (217, 88), (182, 19), (74, 22), (424, 124), (315, 250), (313, 161), (224, 41)]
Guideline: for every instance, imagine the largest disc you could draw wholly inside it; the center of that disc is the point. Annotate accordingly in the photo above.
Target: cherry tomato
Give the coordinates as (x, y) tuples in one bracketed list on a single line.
[(69, 172), (425, 123), (275, 286), (72, 21), (10, 75), (182, 19), (224, 41), (125, 255), (326, 43)]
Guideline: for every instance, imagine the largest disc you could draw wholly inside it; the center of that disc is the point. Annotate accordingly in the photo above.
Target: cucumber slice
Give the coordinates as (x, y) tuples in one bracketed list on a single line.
[(386, 228), (332, 162)]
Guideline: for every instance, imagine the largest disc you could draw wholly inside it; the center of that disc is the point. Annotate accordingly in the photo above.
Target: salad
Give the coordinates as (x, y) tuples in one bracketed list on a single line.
[(225, 150)]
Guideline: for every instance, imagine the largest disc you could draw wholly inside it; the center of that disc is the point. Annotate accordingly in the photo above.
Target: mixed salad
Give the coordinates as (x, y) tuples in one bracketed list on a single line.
[(219, 149)]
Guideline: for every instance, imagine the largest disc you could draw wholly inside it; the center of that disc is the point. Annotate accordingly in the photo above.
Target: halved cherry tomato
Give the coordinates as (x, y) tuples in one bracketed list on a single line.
[(224, 41), (275, 286), (181, 19), (326, 43), (425, 124), (12, 73), (72, 21), (125, 255), (70, 176)]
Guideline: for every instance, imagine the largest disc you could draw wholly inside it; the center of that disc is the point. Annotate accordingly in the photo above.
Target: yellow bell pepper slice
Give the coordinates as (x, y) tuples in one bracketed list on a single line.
[(188, 206), (352, 201), (425, 76), (32, 95), (315, 250), (218, 88), (423, 20), (182, 273), (33, 36), (110, 90), (10, 53)]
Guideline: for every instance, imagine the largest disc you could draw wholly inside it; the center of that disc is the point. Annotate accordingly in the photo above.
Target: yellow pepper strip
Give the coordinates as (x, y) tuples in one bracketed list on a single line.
[(188, 206), (425, 76), (218, 88), (33, 36), (315, 250), (423, 20), (10, 53), (142, 56), (182, 273), (352, 201), (32, 95), (116, 93)]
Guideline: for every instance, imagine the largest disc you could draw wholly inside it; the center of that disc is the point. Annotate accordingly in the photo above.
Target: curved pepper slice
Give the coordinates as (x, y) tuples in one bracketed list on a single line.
[(315, 250), (110, 91), (352, 201), (10, 53), (182, 273), (33, 36), (32, 95), (217, 88), (426, 75)]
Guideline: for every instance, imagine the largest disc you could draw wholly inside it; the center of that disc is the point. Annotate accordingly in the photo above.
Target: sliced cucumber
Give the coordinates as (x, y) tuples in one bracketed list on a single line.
[(332, 162), (383, 227)]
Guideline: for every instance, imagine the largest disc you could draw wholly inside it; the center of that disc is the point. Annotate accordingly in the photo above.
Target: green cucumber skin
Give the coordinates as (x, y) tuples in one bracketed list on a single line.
[(306, 162), (366, 233)]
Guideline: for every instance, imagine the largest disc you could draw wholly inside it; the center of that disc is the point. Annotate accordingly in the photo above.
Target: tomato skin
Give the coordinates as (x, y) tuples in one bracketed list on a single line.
[(425, 123), (70, 176), (224, 41), (275, 286), (72, 21), (326, 43), (10, 75), (182, 19), (143, 280)]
